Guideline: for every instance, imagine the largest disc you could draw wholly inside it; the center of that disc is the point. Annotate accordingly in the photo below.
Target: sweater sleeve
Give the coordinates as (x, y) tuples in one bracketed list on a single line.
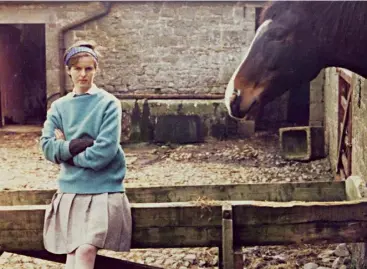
[(107, 142), (54, 150)]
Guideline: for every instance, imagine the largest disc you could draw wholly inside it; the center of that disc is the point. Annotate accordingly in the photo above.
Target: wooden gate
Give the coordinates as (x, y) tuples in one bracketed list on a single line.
[(345, 92)]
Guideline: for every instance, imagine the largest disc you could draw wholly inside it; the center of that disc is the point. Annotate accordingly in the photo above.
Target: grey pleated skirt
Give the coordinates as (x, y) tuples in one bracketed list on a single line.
[(102, 220)]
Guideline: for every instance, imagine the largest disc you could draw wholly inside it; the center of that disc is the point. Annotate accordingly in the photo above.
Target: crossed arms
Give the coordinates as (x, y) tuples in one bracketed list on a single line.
[(83, 152)]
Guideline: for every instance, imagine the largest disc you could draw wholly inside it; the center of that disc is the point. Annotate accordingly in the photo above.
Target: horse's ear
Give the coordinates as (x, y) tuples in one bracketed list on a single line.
[(273, 9)]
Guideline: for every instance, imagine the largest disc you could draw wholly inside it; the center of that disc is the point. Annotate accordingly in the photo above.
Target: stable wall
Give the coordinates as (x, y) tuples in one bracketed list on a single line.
[(359, 116), (152, 47), (180, 47), (359, 134)]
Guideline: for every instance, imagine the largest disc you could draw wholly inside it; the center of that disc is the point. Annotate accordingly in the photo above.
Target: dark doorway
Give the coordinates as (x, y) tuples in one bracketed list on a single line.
[(23, 84), (299, 105), (10, 75)]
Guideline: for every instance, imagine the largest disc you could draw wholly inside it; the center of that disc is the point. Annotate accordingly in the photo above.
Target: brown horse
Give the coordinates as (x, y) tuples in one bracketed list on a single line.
[(293, 43)]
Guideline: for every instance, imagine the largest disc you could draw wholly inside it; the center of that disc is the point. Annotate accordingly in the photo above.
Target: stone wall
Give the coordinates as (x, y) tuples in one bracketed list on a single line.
[(317, 105), (359, 141), (180, 47), (164, 47), (359, 152), (359, 134), (153, 46), (331, 114)]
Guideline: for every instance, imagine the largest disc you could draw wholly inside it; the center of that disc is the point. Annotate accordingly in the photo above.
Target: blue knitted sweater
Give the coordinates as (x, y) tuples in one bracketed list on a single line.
[(100, 168)]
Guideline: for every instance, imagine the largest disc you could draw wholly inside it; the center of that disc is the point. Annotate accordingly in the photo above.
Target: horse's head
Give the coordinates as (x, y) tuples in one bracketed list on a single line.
[(282, 55)]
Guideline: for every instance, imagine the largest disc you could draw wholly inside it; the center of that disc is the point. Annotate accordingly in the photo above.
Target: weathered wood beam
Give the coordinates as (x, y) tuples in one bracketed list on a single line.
[(154, 225), (226, 254), (196, 225), (280, 192), (102, 262), (267, 223)]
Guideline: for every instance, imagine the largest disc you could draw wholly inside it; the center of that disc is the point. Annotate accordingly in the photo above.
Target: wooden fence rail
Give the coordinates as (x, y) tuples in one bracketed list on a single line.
[(213, 223), (277, 192)]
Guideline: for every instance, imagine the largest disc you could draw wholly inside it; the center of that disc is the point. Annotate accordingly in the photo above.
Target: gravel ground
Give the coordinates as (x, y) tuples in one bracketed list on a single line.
[(254, 160)]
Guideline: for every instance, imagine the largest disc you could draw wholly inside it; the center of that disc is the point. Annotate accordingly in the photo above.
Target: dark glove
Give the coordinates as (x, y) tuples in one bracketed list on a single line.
[(79, 145), (70, 161)]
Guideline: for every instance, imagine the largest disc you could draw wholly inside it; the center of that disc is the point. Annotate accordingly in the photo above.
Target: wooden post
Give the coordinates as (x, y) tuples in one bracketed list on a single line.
[(238, 258), (354, 189), (220, 257), (227, 237)]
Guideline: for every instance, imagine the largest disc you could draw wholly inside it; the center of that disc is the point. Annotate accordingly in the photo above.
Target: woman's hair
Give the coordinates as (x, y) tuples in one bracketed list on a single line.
[(75, 58)]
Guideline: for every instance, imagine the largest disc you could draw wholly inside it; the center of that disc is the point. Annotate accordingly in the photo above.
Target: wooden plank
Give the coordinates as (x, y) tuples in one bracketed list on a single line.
[(144, 215), (255, 223), (343, 102), (102, 262), (345, 163), (342, 130), (238, 257), (265, 223), (347, 141), (227, 238), (281, 192), (26, 197), (155, 225), (342, 173), (258, 212), (345, 74), (186, 214), (303, 233)]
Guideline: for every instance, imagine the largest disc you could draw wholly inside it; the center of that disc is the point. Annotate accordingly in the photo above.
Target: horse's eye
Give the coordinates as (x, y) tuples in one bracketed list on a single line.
[(278, 34)]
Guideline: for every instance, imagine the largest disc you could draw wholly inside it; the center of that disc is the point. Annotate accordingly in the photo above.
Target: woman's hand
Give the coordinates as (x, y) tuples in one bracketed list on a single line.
[(59, 135)]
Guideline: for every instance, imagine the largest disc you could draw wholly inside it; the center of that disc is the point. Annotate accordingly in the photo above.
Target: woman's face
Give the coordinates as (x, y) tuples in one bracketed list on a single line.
[(82, 73)]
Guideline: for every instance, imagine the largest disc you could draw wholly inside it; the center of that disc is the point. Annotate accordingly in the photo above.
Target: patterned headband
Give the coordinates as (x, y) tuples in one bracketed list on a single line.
[(76, 50)]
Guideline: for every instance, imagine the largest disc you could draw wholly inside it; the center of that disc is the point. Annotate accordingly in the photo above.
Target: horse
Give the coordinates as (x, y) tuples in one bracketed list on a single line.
[(294, 42)]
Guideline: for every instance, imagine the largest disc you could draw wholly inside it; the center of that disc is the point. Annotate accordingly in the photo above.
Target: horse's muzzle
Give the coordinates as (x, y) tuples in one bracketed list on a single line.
[(236, 107), (239, 111)]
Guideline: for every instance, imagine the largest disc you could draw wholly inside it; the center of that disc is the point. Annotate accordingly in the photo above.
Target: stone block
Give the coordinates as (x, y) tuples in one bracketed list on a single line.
[(302, 143), (246, 128), (316, 111), (178, 129)]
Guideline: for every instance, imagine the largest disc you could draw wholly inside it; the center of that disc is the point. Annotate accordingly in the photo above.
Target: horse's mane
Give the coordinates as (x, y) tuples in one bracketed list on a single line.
[(327, 19)]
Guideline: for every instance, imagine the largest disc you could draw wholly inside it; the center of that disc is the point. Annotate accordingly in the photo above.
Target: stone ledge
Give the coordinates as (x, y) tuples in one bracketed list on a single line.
[(202, 118)]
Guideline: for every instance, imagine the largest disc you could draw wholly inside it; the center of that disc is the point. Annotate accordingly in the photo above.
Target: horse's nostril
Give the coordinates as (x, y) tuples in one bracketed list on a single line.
[(235, 104)]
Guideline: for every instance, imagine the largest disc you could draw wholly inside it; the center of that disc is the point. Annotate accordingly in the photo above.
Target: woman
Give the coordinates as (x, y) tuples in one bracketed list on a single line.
[(90, 211)]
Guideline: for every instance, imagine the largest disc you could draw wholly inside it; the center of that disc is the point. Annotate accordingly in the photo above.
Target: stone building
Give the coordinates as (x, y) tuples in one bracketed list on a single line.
[(151, 47)]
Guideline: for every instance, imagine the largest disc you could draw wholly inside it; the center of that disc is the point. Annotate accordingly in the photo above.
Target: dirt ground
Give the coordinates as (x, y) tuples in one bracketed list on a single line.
[(22, 166)]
